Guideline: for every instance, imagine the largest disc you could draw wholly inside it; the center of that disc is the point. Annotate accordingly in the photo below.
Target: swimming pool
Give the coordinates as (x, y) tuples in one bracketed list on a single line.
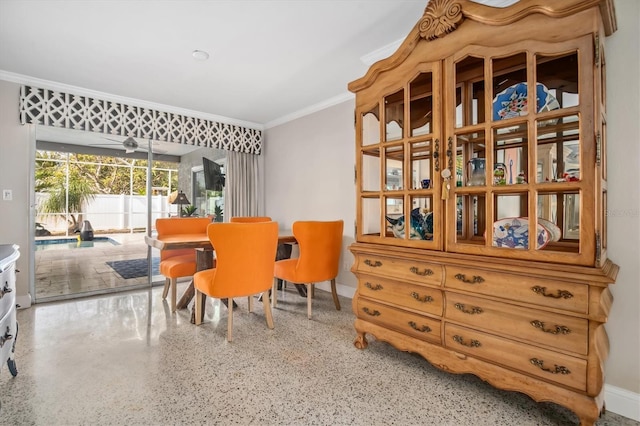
[(74, 243)]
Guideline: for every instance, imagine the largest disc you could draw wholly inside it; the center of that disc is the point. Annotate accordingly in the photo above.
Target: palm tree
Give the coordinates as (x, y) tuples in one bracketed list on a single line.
[(80, 193)]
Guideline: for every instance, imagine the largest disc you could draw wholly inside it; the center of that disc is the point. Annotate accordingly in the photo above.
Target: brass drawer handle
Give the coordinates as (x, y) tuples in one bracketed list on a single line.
[(425, 273), (424, 299), (375, 264), (373, 287), (559, 369), (477, 279), (472, 344), (560, 294), (5, 290), (423, 329), (373, 313), (474, 310), (7, 336), (558, 329)]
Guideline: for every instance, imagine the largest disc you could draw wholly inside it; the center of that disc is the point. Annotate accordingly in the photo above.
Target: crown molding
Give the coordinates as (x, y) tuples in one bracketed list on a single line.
[(61, 87), (310, 109)]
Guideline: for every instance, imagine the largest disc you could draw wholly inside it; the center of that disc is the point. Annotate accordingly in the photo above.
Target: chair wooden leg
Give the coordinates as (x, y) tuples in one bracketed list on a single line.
[(267, 309), (274, 293), (174, 293), (230, 321), (313, 291), (198, 307), (309, 299), (335, 294), (250, 303), (165, 290)]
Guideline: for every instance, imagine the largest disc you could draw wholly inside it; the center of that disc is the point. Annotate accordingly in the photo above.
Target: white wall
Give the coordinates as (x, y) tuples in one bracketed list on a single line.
[(309, 175)]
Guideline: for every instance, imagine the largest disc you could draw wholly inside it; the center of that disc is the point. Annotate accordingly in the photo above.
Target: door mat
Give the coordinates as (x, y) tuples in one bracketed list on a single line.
[(134, 268)]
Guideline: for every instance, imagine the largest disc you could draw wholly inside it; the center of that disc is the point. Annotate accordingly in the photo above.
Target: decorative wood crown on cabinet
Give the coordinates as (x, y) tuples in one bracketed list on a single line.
[(481, 196)]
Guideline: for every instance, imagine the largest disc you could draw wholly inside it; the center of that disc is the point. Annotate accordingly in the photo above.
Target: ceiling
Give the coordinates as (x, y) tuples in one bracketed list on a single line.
[(270, 60)]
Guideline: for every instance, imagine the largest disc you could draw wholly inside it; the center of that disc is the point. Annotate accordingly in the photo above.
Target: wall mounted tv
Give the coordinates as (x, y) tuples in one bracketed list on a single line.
[(213, 177)]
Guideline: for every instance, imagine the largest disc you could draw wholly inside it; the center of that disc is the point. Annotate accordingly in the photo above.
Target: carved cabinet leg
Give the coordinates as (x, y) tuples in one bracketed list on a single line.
[(361, 341)]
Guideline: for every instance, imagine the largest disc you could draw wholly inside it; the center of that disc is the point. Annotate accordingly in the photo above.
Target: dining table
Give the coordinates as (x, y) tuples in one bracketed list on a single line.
[(204, 255)]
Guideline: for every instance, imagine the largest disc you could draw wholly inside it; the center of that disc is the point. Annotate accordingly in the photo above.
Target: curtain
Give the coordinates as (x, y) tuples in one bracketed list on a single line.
[(242, 191)]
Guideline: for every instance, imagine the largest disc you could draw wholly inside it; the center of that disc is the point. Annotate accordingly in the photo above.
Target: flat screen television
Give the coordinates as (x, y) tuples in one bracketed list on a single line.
[(213, 177)]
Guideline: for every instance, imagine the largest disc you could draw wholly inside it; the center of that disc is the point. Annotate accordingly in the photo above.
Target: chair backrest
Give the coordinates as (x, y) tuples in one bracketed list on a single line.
[(180, 225), (245, 257), (250, 219), (320, 245)]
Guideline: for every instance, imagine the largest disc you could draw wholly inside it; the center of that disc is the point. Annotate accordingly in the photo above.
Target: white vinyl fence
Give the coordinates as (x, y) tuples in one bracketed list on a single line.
[(112, 212)]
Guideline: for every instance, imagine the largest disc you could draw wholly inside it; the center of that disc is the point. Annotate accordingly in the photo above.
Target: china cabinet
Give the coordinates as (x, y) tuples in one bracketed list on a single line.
[(497, 266)]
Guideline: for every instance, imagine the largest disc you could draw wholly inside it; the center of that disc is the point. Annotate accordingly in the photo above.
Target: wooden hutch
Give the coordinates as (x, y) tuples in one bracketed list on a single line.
[(455, 171)]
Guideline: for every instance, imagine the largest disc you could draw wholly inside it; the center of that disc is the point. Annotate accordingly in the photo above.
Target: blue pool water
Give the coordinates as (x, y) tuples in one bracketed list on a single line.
[(73, 243)]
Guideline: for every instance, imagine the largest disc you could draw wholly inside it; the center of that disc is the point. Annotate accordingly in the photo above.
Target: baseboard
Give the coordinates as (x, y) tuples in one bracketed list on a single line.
[(619, 401), (622, 402)]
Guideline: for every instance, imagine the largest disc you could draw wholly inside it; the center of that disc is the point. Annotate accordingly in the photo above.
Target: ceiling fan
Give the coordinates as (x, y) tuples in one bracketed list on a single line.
[(130, 145)]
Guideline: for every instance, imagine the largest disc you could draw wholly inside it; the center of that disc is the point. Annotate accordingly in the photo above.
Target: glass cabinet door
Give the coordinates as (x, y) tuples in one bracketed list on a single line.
[(518, 168), (398, 161)]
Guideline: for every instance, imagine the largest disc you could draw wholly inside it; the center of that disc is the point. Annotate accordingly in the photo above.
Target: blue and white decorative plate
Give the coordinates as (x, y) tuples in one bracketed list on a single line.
[(421, 225), (513, 232), (512, 101)]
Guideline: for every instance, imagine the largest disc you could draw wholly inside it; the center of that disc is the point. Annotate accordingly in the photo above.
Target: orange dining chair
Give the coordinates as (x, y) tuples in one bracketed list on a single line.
[(320, 244), (178, 263), (237, 274), (250, 219)]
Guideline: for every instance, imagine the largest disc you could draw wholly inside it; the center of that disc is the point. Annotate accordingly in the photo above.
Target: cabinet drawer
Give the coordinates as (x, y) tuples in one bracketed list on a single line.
[(401, 269), (8, 328), (414, 325), (425, 299), (540, 327), (554, 294), (542, 363), (7, 291)]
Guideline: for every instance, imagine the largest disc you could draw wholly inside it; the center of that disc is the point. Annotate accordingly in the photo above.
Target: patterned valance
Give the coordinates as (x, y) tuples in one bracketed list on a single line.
[(69, 111)]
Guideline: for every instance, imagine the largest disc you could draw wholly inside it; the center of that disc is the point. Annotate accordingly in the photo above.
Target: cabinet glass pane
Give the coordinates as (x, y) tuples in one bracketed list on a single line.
[(558, 150), (559, 214), (470, 107), (510, 155), (559, 78), (394, 215), (510, 87), (511, 225), (371, 126), (370, 220), (470, 219), (394, 115), (370, 178), (421, 218), (470, 153), (421, 154), (394, 171), (421, 104)]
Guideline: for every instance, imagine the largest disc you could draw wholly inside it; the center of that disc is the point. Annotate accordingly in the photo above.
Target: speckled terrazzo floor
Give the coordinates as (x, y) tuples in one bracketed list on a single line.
[(124, 359)]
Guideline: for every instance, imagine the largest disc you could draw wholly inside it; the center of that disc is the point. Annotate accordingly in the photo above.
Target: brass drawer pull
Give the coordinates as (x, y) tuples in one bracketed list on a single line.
[(425, 273), (560, 294), (472, 344), (558, 329), (424, 299), (373, 313), (477, 279), (375, 264), (7, 336), (375, 287), (423, 329), (559, 369), (474, 310)]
